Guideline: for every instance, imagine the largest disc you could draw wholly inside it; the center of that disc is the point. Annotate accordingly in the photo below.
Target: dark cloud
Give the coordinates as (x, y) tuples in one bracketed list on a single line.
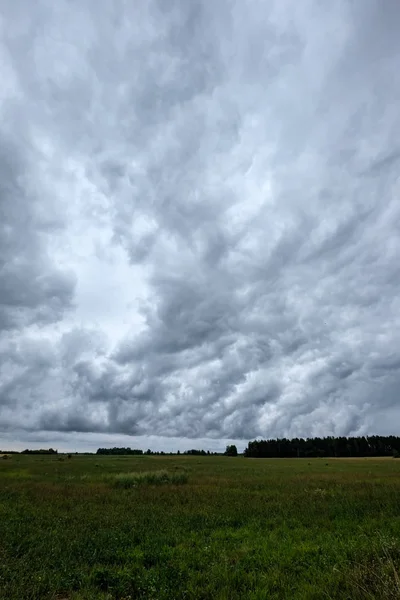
[(32, 288), (198, 219)]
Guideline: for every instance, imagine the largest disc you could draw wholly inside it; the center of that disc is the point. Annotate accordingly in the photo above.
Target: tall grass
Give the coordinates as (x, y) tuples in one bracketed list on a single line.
[(129, 480)]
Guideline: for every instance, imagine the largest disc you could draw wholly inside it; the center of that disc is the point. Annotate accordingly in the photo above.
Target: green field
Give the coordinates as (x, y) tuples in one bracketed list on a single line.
[(205, 527)]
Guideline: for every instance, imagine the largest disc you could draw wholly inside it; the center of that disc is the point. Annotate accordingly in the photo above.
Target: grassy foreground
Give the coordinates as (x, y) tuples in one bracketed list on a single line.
[(219, 528)]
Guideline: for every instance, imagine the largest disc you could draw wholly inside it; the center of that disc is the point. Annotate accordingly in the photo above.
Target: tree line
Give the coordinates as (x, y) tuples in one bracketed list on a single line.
[(40, 451), (148, 452), (119, 451), (375, 445), (363, 446)]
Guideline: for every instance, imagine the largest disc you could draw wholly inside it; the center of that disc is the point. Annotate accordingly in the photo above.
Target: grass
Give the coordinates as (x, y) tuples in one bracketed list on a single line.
[(129, 480), (124, 528)]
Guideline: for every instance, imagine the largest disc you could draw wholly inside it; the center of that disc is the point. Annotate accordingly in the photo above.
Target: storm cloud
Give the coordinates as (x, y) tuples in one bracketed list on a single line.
[(199, 219)]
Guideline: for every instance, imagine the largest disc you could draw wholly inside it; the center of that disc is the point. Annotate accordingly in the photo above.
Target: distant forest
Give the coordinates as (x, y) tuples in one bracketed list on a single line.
[(119, 451), (376, 445), (130, 451), (41, 451), (327, 447)]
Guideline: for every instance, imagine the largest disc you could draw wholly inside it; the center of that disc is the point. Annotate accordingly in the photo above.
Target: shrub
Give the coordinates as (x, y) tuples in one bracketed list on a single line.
[(128, 480)]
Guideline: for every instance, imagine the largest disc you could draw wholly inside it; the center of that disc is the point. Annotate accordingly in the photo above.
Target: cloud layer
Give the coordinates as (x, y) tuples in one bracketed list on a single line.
[(199, 218)]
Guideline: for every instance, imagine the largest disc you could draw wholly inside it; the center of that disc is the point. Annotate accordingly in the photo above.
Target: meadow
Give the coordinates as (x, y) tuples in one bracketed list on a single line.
[(185, 527)]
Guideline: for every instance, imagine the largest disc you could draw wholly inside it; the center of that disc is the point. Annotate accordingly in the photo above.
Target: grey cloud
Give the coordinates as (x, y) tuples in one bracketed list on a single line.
[(76, 422), (32, 288), (384, 163), (241, 166)]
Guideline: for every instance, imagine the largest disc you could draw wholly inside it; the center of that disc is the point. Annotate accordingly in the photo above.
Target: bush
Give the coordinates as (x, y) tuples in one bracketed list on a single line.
[(128, 480)]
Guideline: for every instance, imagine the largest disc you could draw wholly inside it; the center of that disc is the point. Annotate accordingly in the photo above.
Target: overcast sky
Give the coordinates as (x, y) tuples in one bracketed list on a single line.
[(199, 221)]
